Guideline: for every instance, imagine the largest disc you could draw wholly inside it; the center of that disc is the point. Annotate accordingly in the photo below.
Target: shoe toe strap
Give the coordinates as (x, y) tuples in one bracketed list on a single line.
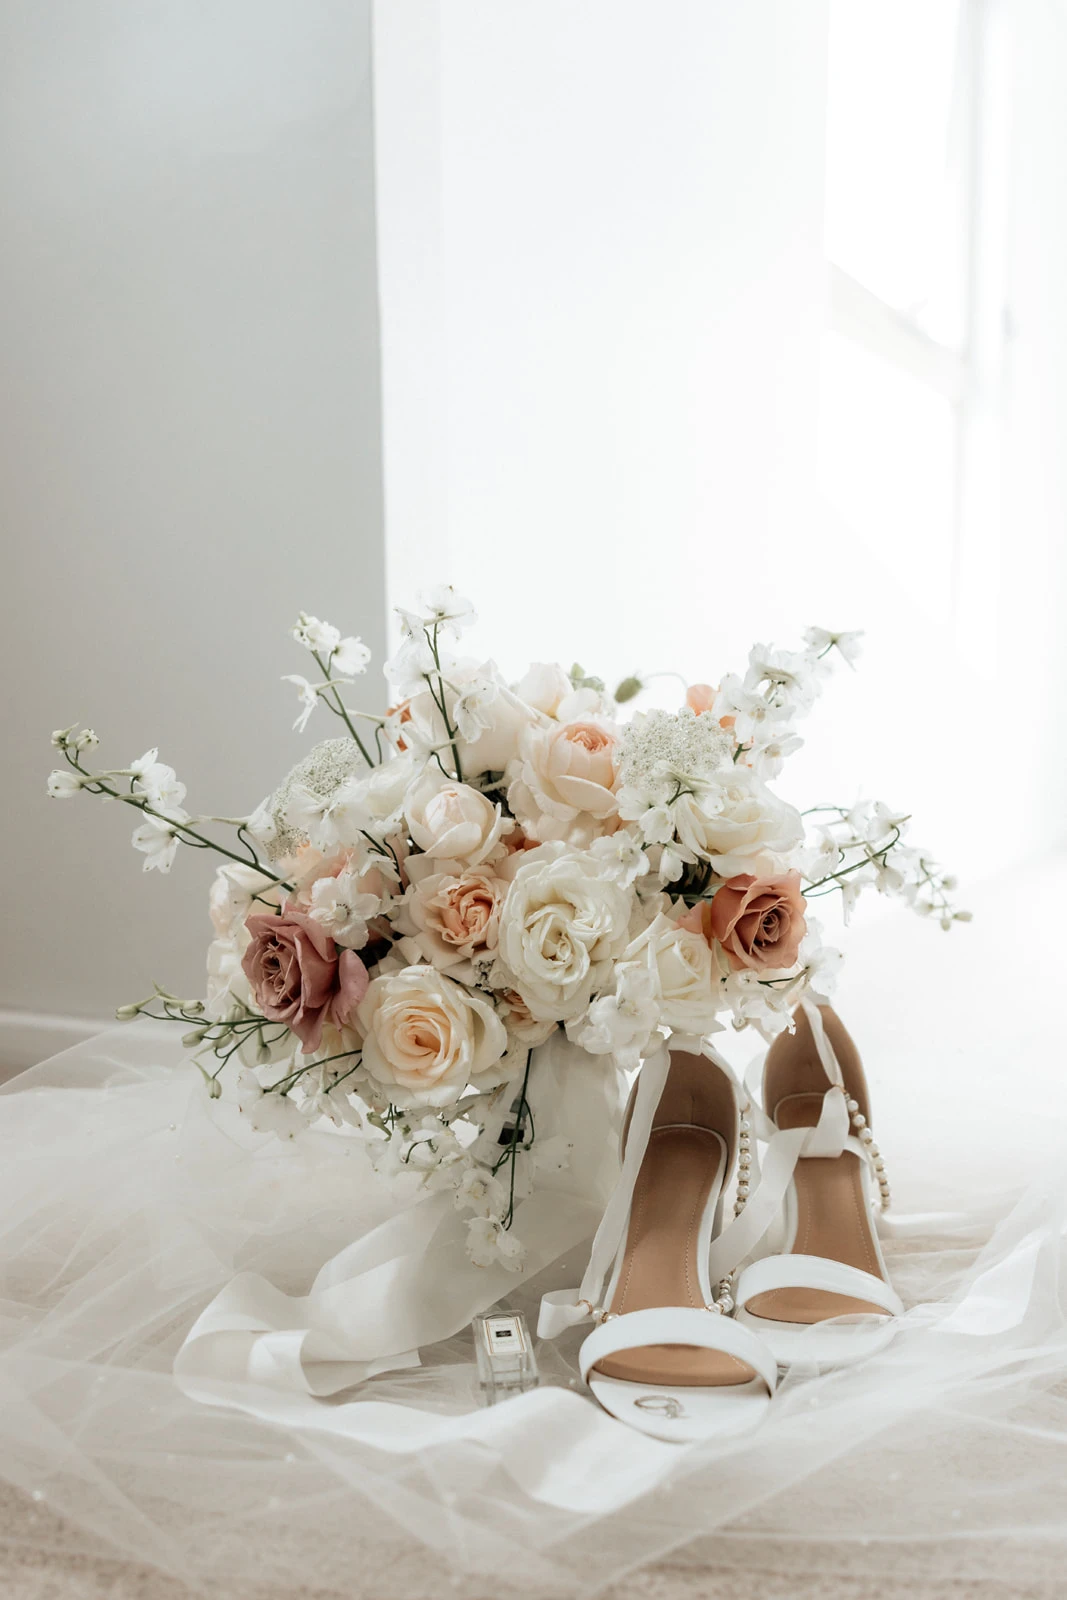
[(678, 1325), (797, 1271)]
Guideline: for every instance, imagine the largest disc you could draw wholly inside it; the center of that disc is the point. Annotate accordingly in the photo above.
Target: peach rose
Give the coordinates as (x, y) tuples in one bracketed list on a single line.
[(563, 785), (699, 697), (299, 977), (455, 916), (427, 1038), (758, 921)]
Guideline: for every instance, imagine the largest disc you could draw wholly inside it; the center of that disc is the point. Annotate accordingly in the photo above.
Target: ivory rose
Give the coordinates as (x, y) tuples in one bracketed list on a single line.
[(486, 716), (680, 960), (735, 820), (563, 785), (426, 1038), (563, 924), (544, 687), (759, 922), (521, 1025), (453, 917), (298, 976), (231, 896), (452, 821)]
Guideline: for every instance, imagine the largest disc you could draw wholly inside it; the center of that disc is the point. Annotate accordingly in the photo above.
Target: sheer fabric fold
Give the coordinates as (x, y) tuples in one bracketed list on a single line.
[(128, 1202)]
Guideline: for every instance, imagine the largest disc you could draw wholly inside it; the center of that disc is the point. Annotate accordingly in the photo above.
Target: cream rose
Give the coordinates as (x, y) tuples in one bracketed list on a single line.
[(451, 821), (563, 785), (232, 893), (453, 917), (521, 1026), (737, 820), (486, 716), (544, 687), (682, 966), (562, 926), (426, 1038)]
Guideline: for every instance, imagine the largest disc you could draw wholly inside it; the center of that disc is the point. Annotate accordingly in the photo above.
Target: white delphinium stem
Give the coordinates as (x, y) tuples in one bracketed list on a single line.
[(177, 822)]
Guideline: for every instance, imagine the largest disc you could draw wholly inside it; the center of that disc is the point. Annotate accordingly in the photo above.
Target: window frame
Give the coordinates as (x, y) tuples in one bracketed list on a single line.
[(971, 376)]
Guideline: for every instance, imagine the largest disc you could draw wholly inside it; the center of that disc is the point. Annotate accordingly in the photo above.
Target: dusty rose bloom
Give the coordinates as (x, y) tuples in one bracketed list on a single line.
[(758, 921), (298, 975)]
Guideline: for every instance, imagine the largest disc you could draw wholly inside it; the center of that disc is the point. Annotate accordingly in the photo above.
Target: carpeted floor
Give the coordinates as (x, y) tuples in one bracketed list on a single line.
[(700, 1572)]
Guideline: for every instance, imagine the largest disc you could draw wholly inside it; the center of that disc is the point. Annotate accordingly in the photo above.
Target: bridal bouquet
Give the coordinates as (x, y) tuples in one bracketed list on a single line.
[(425, 899)]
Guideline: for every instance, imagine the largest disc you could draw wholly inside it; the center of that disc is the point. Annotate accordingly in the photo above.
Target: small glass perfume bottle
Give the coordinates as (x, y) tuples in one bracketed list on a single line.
[(504, 1353)]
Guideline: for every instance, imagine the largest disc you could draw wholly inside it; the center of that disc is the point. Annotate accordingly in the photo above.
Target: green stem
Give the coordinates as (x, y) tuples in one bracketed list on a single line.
[(513, 1148), (869, 860), (337, 705), (98, 786), (442, 703)]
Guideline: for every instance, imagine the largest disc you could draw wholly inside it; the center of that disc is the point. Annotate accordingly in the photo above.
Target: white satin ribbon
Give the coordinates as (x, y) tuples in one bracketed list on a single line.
[(406, 1284)]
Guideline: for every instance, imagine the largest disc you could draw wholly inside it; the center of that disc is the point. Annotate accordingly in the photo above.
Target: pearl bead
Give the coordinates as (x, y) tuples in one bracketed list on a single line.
[(746, 1126), (744, 1159), (859, 1120), (853, 1105)]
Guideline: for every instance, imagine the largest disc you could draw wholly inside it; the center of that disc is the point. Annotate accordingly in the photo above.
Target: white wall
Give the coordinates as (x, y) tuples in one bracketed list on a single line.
[(603, 293), (189, 436), (617, 230)]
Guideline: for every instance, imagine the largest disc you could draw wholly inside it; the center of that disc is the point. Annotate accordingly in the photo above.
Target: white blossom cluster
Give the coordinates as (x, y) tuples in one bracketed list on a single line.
[(427, 897)]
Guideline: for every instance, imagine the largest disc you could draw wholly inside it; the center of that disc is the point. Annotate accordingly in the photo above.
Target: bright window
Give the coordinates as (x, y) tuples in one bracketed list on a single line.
[(915, 128)]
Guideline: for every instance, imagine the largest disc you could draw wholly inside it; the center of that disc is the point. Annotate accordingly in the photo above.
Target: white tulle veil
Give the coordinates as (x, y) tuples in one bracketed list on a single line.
[(128, 1201)]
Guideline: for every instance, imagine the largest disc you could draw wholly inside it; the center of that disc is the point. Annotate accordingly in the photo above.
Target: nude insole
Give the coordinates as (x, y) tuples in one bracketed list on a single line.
[(833, 1220), (659, 1266)]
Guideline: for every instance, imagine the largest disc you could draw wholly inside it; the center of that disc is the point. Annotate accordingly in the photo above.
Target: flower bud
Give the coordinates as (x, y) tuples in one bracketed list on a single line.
[(628, 688)]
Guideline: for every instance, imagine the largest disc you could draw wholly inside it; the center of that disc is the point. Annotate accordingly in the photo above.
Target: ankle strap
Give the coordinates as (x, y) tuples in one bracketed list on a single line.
[(567, 1308)]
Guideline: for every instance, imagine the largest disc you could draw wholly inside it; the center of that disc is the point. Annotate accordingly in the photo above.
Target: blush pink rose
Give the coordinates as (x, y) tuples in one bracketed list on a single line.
[(758, 921), (563, 786), (455, 916), (299, 977)]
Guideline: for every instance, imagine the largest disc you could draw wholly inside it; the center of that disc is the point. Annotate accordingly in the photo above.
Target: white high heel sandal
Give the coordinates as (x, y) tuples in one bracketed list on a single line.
[(665, 1356), (826, 1296)]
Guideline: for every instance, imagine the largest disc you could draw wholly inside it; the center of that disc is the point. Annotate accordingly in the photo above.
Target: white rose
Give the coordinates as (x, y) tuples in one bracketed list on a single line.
[(427, 1038), (227, 984), (451, 821), (231, 896), (544, 687), (500, 719), (683, 968), (523, 1028), (735, 820), (379, 797), (562, 926), (485, 714), (562, 786)]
